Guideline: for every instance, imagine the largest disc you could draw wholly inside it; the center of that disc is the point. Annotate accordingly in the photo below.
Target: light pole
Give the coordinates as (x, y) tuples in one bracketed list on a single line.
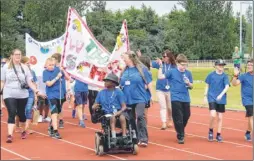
[(241, 30)]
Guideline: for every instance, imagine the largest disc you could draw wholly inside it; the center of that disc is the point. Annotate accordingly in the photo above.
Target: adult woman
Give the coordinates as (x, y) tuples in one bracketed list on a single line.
[(163, 88), (133, 82), (15, 82)]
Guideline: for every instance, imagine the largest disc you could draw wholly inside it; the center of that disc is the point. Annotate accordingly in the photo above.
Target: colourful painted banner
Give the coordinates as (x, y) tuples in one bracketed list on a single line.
[(84, 58), (38, 52), (122, 45)]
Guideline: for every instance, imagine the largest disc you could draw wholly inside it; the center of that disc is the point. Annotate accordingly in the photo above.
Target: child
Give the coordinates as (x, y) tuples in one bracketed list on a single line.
[(246, 80), (52, 77), (81, 92), (112, 101), (215, 92), (180, 81)]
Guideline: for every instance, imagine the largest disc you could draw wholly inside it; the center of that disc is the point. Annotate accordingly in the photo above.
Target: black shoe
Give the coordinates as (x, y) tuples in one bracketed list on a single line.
[(61, 124), (57, 135), (113, 141), (50, 131)]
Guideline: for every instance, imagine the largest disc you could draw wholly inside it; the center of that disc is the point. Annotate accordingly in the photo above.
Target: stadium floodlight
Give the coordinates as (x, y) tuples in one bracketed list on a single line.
[(241, 30)]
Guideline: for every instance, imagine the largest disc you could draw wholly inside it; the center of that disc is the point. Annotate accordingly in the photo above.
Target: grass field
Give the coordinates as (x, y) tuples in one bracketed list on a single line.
[(197, 93)]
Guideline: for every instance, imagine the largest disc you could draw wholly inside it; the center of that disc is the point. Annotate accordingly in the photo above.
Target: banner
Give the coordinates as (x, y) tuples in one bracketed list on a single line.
[(84, 58), (122, 45), (38, 52)]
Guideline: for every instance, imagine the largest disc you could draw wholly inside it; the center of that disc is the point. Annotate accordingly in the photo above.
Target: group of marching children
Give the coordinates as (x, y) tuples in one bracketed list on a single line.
[(134, 92)]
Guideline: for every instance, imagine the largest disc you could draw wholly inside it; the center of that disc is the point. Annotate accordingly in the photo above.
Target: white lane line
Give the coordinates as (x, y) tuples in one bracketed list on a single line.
[(10, 151), (113, 156), (161, 145)]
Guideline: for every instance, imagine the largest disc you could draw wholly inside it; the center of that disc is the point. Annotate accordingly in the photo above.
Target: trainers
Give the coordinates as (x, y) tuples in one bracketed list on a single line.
[(219, 138), (61, 124), (23, 135), (57, 135), (248, 137), (73, 113), (48, 119), (82, 124), (181, 141), (143, 144), (40, 119), (50, 131), (113, 141), (210, 136), (9, 139), (164, 126)]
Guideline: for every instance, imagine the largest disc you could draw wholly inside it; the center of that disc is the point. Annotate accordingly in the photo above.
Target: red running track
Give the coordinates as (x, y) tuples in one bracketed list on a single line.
[(78, 143)]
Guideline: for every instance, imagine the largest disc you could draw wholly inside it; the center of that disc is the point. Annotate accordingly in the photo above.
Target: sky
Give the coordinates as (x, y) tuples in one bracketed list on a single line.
[(162, 7)]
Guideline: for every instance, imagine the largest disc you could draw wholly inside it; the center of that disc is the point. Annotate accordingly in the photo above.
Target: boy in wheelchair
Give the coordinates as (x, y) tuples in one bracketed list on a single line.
[(112, 102)]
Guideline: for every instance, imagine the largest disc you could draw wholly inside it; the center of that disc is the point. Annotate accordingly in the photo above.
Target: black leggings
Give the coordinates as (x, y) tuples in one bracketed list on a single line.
[(91, 98), (16, 107)]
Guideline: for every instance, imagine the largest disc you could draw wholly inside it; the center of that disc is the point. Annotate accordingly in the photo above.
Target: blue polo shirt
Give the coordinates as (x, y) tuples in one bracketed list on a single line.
[(217, 83), (53, 92), (178, 90), (133, 85), (162, 83), (109, 98), (246, 80), (80, 86)]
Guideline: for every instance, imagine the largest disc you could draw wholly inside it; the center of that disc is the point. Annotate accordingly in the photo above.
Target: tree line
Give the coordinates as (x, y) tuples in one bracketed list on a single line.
[(202, 30)]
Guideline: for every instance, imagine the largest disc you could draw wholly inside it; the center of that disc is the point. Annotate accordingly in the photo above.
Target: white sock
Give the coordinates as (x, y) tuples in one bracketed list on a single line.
[(113, 134)]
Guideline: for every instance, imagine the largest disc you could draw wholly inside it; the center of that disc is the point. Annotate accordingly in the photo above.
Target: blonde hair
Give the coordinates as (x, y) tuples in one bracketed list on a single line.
[(136, 62), (181, 58), (50, 59), (11, 64), (24, 59)]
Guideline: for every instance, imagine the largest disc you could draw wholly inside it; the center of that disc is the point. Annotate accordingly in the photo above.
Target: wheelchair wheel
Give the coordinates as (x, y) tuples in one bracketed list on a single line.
[(135, 149), (100, 150), (97, 143)]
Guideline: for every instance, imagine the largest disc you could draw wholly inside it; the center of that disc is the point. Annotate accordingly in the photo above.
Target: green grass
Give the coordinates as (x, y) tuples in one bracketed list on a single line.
[(197, 93)]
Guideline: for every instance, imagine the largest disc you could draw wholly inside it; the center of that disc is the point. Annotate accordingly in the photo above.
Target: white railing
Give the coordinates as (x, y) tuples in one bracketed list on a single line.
[(208, 63)]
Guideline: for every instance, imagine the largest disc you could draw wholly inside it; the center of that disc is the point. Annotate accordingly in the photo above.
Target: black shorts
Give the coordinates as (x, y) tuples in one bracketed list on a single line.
[(55, 106), (249, 110), (218, 107), (42, 102), (148, 104)]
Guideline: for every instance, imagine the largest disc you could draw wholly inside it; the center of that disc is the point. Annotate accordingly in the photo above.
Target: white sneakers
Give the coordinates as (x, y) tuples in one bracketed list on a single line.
[(48, 119)]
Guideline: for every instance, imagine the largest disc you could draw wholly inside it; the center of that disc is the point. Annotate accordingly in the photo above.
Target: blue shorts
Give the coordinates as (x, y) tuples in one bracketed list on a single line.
[(29, 108), (81, 98)]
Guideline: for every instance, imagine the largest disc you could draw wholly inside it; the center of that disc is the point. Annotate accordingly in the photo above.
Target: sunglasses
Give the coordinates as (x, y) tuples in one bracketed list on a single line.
[(164, 56)]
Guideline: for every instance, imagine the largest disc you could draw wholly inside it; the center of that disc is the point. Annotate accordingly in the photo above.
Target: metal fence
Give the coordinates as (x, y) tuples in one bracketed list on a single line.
[(209, 63)]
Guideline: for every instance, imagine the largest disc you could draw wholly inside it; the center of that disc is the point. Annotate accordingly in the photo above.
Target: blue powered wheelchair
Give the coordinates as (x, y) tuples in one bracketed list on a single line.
[(103, 139)]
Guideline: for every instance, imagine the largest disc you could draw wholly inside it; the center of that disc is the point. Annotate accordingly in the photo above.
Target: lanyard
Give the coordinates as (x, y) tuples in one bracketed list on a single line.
[(166, 70)]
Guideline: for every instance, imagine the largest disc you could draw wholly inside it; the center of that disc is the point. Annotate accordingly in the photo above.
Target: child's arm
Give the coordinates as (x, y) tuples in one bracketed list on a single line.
[(222, 93), (206, 92), (52, 82), (122, 109), (236, 81)]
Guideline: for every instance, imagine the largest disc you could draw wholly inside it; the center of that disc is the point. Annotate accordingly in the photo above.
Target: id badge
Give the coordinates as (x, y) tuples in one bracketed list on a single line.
[(167, 87), (127, 83)]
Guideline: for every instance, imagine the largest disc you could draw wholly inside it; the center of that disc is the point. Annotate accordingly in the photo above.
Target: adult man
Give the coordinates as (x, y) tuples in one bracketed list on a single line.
[(237, 58)]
